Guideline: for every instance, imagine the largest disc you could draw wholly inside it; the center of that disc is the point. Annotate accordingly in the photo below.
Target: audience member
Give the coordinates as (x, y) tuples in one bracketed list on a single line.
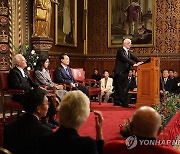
[(42, 76), (132, 81), (19, 78), (145, 126), (171, 74), (166, 83), (176, 74), (106, 86), (73, 111), (134, 72), (177, 83), (96, 75), (63, 74), (24, 135), (132, 86)]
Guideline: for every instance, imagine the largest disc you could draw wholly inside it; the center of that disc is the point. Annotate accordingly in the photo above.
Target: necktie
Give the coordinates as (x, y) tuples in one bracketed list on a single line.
[(67, 72), (129, 78), (165, 80), (127, 53)]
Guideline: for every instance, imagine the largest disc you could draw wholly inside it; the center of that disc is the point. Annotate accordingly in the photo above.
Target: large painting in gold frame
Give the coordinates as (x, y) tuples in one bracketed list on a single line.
[(66, 23), (134, 19)]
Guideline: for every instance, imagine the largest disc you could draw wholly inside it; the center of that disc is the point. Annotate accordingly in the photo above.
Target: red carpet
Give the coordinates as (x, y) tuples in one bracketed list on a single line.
[(113, 116)]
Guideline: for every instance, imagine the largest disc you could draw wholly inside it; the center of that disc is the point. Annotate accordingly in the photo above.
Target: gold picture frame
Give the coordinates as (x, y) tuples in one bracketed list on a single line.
[(133, 19), (66, 23)]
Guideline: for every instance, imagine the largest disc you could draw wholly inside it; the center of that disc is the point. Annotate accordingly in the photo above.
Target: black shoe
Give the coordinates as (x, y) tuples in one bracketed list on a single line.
[(117, 104), (50, 125), (126, 106), (54, 122)]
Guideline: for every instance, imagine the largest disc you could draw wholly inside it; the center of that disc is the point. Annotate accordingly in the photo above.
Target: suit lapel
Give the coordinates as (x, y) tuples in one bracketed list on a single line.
[(19, 72), (64, 72), (125, 53)]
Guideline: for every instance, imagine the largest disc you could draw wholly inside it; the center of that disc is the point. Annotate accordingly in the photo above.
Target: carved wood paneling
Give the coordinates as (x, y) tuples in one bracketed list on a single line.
[(101, 63)]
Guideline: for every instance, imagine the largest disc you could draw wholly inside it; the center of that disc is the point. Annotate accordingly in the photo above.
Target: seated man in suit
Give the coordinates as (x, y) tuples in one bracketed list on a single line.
[(132, 86), (19, 78), (96, 76), (24, 135), (145, 126), (63, 74), (166, 84), (106, 86)]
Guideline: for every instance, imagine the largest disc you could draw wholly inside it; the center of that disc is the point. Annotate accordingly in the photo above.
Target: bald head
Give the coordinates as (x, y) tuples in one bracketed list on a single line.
[(127, 43), (146, 122)]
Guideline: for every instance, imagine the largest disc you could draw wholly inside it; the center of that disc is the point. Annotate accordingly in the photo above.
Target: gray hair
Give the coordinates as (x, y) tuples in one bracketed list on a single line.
[(16, 59), (126, 40), (74, 109)]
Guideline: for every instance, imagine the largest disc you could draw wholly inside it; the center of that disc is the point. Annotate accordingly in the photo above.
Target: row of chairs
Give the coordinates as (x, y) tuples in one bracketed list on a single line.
[(10, 105)]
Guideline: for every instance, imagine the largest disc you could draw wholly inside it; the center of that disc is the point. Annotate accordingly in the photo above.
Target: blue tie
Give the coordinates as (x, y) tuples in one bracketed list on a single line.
[(67, 72)]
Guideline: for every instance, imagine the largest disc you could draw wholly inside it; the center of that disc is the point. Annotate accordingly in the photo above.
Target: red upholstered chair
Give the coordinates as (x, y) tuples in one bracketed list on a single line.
[(4, 90), (79, 76), (32, 75), (51, 72)]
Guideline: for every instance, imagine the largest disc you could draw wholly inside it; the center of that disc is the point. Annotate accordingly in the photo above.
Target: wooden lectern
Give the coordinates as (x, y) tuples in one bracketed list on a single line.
[(148, 92)]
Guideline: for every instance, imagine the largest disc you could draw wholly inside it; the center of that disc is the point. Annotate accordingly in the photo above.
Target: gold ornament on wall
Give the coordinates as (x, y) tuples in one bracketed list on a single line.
[(3, 37), (3, 9), (4, 64)]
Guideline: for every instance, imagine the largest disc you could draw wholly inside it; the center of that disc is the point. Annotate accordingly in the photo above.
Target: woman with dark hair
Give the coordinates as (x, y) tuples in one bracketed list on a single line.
[(42, 76)]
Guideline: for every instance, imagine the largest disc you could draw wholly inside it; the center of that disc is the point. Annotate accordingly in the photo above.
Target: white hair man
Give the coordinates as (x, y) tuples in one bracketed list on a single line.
[(124, 60)]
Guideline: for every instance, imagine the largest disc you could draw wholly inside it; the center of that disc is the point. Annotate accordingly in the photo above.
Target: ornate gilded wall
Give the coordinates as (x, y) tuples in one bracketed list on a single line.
[(167, 29), (99, 55), (4, 47)]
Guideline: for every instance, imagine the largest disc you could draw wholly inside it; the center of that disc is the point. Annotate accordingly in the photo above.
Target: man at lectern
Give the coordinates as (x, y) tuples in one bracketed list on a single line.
[(124, 60)]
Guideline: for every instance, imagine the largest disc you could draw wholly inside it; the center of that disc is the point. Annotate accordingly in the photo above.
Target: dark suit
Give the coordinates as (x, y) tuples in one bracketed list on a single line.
[(68, 141), (17, 81), (24, 135), (166, 86), (132, 85), (60, 76), (122, 66)]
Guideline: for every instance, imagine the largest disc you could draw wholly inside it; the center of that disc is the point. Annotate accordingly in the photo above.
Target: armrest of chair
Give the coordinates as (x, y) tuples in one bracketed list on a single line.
[(90, 81), (14, 91)]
